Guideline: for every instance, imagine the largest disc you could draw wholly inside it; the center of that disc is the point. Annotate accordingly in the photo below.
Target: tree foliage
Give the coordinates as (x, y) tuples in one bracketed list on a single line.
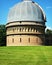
[(48, 36), (2, 35), (48, 31)]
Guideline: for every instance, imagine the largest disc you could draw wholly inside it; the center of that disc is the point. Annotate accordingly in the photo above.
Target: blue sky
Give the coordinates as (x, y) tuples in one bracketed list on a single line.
[(5, 5)]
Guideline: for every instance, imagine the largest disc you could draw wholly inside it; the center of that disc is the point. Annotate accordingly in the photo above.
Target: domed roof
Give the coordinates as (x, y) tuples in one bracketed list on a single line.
[(26, 10)]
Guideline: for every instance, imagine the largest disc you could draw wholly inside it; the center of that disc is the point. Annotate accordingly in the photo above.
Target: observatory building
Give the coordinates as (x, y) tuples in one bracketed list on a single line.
[(25, 24)]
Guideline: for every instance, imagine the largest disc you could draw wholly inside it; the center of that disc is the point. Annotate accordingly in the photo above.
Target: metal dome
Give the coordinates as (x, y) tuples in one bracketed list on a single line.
[(26, 11)]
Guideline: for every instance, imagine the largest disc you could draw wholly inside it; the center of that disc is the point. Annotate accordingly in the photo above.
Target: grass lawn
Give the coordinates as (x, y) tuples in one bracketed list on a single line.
[(27, 55)]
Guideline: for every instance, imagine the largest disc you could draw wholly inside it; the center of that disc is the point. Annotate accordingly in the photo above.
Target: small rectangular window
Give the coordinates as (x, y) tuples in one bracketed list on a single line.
[(20, 39), (29, 40), (28, 29)]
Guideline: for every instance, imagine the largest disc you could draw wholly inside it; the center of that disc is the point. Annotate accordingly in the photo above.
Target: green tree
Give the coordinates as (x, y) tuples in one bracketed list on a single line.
[(48, 31), (48, 35), (2, 35)]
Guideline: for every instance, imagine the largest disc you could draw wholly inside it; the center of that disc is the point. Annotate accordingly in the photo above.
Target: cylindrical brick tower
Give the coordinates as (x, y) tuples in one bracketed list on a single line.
[(25, 25)]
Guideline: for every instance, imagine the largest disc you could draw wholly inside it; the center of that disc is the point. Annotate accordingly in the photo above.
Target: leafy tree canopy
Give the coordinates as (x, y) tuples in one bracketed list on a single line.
[(48, 31), (2, 35)]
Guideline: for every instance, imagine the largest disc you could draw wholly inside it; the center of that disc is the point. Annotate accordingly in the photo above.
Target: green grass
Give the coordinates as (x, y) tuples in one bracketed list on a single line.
[(32, 55)]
